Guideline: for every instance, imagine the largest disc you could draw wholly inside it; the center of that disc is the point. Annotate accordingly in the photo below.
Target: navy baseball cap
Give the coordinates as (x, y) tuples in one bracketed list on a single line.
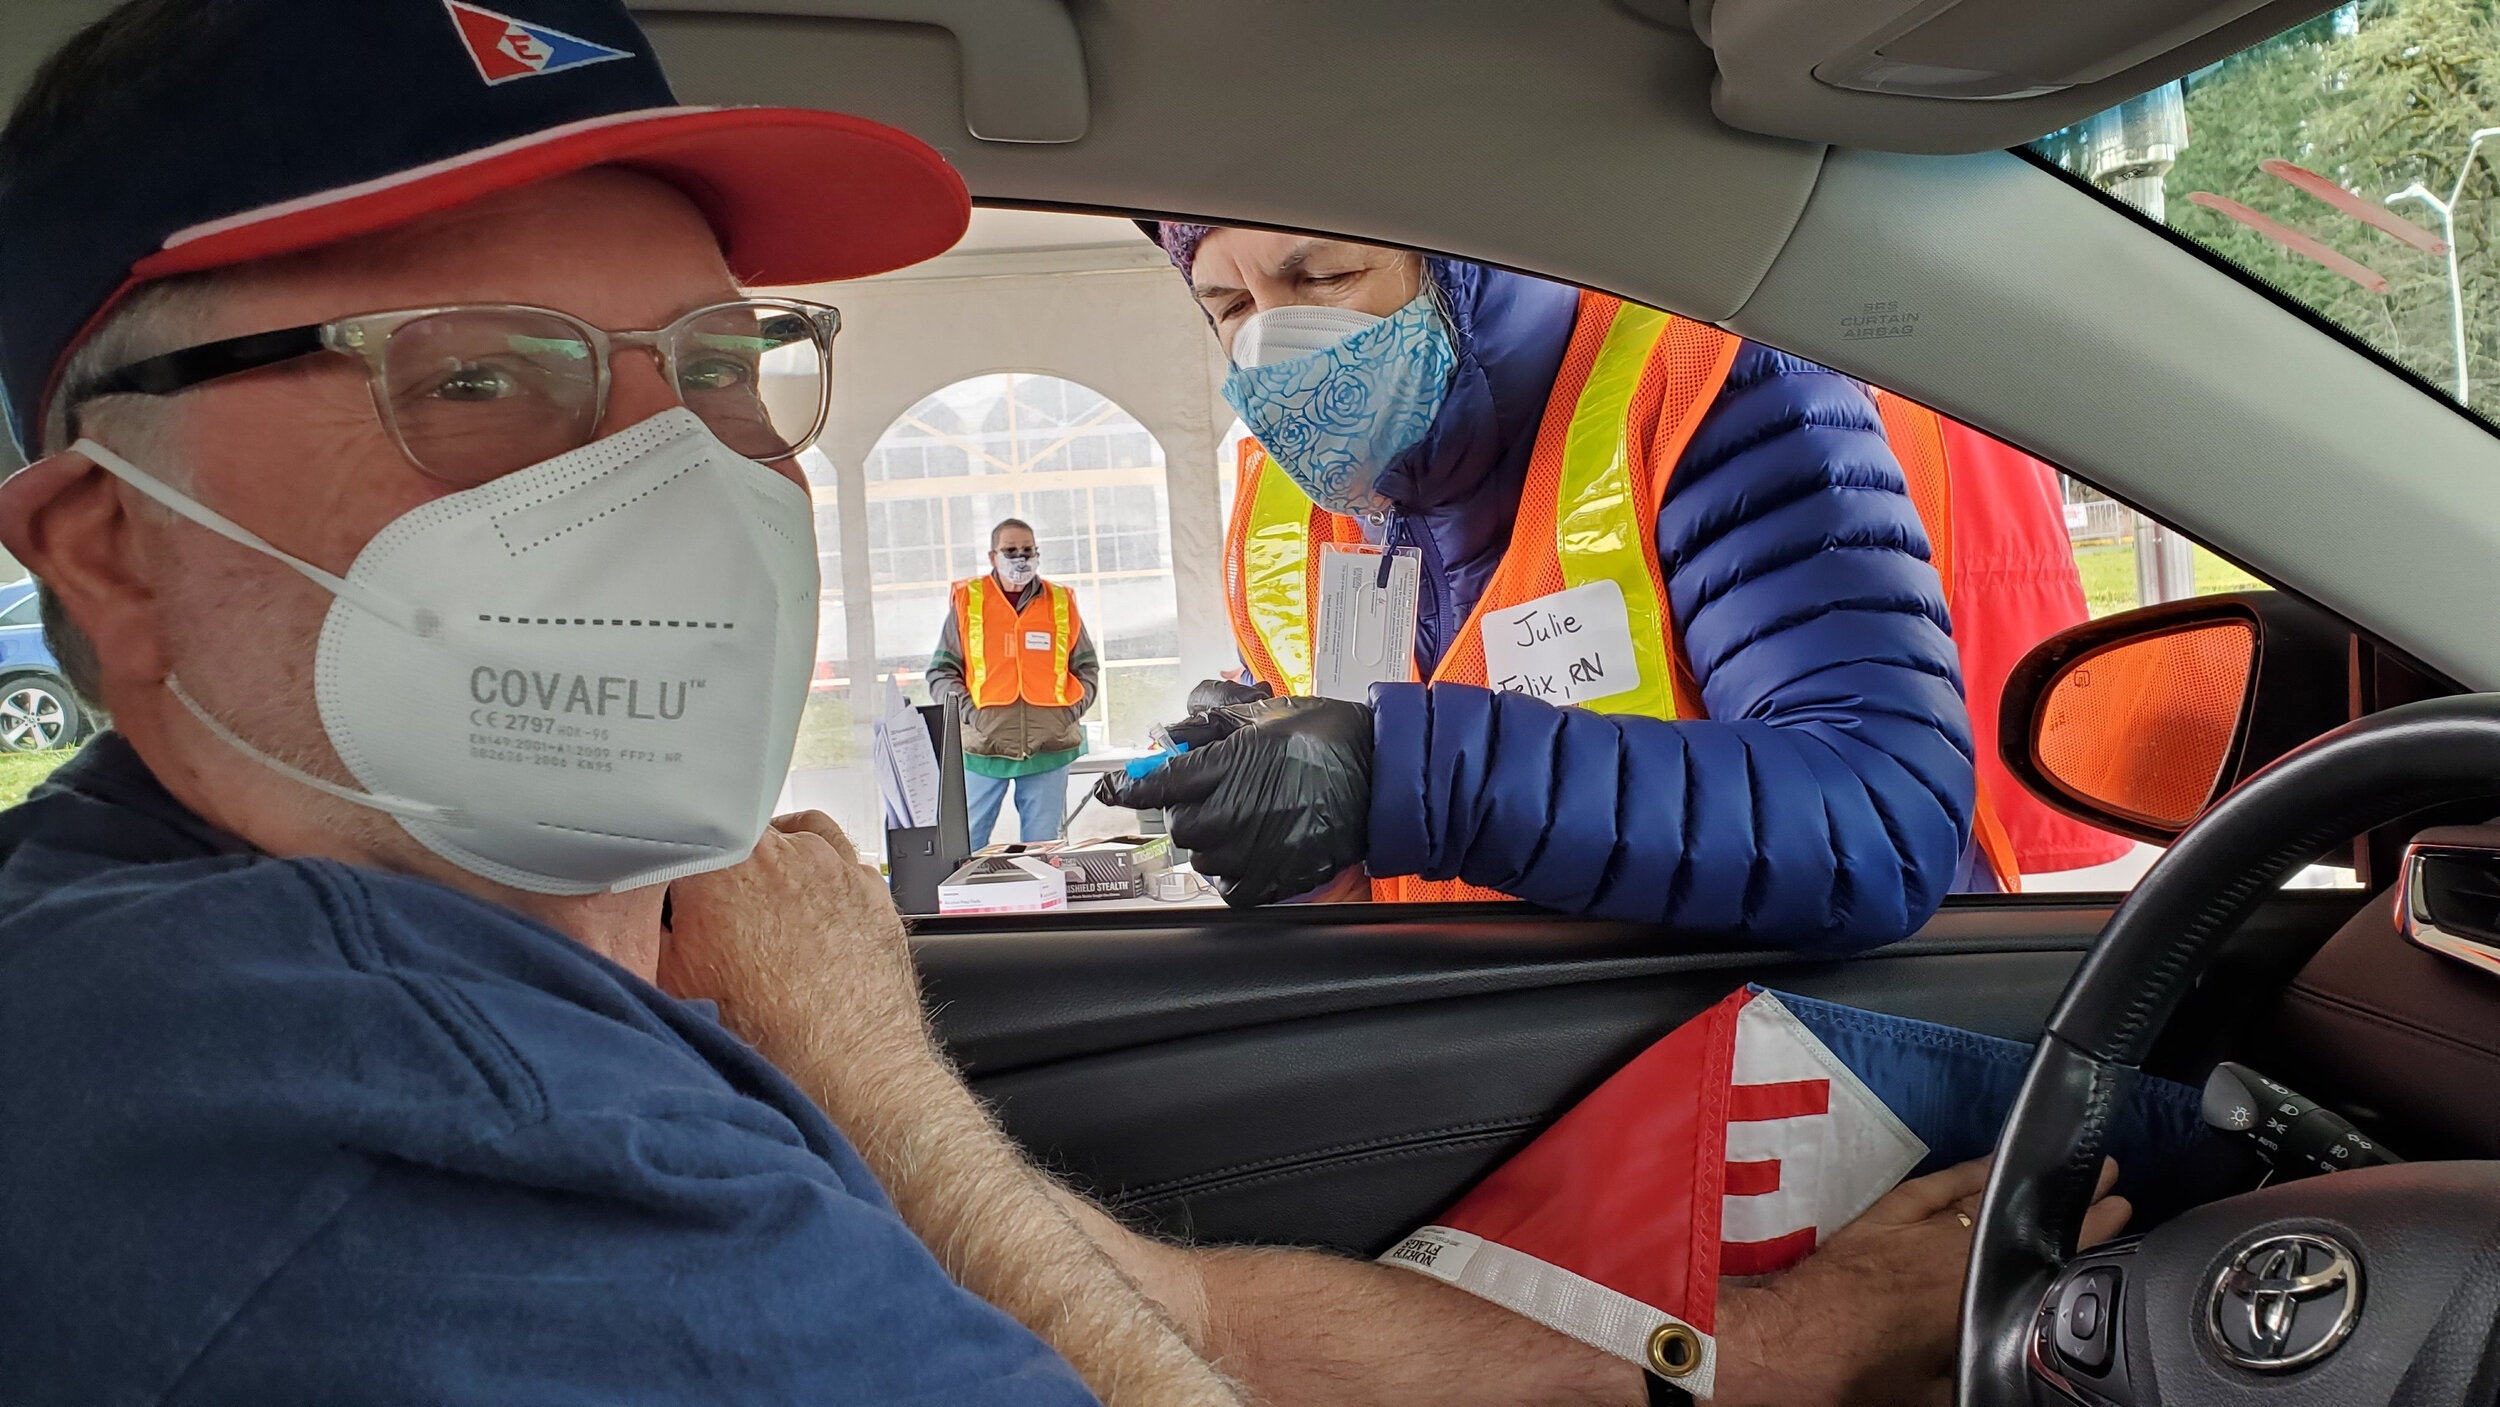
[(296, 123)]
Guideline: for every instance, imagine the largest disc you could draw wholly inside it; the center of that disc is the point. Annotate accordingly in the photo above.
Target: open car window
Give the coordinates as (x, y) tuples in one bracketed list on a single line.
[(2345, 163), (1054, 370)]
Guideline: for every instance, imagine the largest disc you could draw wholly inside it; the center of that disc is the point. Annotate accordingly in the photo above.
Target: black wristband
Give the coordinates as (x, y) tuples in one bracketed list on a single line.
[(1663, 1393)]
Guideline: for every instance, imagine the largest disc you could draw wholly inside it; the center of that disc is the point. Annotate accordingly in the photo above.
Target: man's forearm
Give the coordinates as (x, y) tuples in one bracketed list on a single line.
[(990, 1219), (1307, 1329), (847, 1028), (1303, 1327)]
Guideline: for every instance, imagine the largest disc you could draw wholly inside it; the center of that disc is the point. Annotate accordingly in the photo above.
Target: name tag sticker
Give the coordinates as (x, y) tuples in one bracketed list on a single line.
[(1037, 639), (1571, 647), (1366, 624)]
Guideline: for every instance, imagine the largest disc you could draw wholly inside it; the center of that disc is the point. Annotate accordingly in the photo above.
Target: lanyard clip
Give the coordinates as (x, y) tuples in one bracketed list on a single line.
[(1389, 551)]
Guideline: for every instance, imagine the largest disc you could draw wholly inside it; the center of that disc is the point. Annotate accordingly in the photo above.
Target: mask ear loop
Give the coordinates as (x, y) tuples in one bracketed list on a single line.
[(388, 805), (363, 597), (420, 623)]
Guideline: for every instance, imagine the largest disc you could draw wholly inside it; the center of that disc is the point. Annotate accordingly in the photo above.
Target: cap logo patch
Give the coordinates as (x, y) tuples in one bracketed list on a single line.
[(505, 48)]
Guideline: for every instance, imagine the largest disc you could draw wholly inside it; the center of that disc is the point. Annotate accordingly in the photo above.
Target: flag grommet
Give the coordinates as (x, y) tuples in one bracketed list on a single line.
[(1674, 1350)]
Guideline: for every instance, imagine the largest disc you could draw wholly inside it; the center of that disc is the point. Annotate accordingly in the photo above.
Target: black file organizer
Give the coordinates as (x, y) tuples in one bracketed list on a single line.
[(918, 859)]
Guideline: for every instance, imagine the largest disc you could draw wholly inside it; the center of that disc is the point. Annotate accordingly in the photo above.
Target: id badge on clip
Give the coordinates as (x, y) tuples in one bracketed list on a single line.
[(1365, 628)]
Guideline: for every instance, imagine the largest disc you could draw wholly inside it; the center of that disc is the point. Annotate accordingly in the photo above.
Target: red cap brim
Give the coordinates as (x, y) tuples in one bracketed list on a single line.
[(796, 195)]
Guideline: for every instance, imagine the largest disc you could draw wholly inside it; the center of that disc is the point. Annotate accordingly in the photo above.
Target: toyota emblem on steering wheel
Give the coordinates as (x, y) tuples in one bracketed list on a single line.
[(2285, 1302)]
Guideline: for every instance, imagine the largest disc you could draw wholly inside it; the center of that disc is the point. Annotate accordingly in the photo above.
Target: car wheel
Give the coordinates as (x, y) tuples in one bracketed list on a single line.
[(38, 713)]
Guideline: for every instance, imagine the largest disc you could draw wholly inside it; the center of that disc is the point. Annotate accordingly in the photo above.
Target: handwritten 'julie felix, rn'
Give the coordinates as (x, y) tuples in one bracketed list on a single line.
[(1574, 646), (1538, 629)]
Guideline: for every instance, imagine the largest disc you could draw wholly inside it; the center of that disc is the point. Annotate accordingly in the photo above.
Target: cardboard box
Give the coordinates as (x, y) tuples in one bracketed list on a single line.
[(1003, 884), (1121, 867)]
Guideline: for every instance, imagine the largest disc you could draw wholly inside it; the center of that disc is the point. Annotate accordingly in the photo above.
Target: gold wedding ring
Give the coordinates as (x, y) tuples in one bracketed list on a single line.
[(1962, 1217), (1674, 1350)]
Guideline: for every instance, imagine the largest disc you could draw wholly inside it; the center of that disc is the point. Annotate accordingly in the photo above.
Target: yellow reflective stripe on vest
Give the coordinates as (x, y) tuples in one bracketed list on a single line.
[(1601, 522), (1062, 645), (1276, 553), (976, 638)]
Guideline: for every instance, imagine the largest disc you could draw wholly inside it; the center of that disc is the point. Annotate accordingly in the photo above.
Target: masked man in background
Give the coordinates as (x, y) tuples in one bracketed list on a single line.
[(1014, 658), (1711, 546)]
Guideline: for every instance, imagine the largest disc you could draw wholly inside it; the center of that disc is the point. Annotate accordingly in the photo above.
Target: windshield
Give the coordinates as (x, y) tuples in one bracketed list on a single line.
[(2347, 162)]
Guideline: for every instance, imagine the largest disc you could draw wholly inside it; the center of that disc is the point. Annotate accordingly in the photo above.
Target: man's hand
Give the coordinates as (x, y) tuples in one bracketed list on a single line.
[(1872, 1316), (801, 928)]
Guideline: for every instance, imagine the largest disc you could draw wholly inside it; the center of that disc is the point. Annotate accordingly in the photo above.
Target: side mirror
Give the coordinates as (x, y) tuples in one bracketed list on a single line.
[(2137, 722)]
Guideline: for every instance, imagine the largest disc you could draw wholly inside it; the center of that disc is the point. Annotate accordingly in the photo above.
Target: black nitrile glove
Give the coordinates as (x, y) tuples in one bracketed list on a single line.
[(1276, 801), (1205, 727), (1220, 693)]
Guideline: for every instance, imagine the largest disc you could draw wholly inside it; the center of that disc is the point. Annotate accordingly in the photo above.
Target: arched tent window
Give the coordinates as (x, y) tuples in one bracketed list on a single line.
[(1084, 473)]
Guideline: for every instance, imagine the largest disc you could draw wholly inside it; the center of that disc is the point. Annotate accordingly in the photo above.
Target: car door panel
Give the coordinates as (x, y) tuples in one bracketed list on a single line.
[(1341, 1129), (1335, 1081)]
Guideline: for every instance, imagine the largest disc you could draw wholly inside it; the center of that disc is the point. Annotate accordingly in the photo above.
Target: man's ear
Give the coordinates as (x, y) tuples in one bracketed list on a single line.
[(70, 524)]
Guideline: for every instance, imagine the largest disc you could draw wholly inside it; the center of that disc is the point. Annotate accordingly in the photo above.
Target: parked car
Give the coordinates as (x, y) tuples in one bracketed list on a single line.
[(38, 710)]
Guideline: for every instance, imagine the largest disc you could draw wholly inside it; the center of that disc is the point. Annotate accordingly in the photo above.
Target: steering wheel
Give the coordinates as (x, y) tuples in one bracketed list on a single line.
[(2379, 1285)]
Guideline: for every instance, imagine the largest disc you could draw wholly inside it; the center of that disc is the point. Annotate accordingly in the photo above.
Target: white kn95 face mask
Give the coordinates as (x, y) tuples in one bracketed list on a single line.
[(580, 677)]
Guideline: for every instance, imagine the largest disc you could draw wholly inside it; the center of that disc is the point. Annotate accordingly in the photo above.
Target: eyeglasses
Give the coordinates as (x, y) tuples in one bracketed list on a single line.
[(475, 392)]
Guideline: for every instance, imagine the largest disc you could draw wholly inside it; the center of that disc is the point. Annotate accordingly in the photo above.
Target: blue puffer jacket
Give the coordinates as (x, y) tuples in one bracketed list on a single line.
[(1825, 802)]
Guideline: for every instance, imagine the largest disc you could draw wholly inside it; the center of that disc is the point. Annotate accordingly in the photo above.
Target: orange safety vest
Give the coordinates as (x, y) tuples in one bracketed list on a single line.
[(1917, 436), (1634, 387), (1012, 655)]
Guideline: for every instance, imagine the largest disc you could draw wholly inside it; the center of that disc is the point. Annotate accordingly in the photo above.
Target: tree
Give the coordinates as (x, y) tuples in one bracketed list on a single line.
[(2373, 96)]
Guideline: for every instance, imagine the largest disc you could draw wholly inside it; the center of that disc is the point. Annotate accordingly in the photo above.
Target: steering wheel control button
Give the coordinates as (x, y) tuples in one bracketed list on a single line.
[(2285, 1302), (2086, 1322), (2083, 1317)]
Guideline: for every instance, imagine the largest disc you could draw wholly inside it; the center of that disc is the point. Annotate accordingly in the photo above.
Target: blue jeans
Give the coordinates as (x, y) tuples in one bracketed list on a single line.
[(1041, 804)]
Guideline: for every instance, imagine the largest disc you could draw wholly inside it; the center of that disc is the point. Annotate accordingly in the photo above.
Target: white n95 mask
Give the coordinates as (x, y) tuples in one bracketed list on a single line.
[(580, 677), (1294, 331)]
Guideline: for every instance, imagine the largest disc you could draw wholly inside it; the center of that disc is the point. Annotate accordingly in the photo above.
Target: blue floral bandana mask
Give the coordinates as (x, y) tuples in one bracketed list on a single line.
[(1335, 420)]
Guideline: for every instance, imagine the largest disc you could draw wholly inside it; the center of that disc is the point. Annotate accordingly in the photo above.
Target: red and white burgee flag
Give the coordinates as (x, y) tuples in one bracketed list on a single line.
[(1731, 1147)]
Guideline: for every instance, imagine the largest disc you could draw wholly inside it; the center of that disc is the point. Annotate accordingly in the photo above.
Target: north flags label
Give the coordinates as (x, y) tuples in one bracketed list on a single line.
[(1733, 1146), (505, 48)]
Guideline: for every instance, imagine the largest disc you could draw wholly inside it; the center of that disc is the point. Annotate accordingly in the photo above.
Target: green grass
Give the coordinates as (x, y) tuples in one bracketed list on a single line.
[(824, 732), (1136, 699), (2109, 577), (20, 771)]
